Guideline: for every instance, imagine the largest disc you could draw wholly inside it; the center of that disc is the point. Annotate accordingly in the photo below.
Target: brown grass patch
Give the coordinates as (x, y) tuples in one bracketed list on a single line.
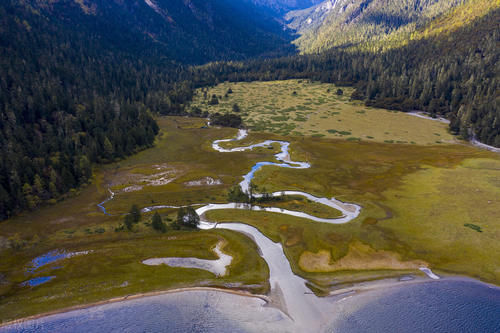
[(292, 235), (370, 221), (360, 256)]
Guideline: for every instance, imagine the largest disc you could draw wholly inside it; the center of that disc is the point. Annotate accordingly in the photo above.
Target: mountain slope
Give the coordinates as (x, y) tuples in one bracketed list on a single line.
[(283, 6), (308, 19), (458, 17), (454, 74), (193, 31), (369, 24), (79, 80)]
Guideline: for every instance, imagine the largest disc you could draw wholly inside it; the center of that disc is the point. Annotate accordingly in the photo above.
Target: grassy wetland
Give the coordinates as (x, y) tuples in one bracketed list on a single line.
[(419, 188), (304, 108)]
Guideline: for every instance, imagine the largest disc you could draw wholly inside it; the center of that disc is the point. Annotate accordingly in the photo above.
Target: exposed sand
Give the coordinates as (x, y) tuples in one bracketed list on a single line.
[(207, 181), (218, 267), (132, 297), (429, 273), (253, 311)]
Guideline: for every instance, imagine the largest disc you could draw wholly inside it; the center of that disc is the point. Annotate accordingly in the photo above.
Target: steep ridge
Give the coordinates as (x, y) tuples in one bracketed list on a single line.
[(283, 6), (368, 24), (311, 18), (79, 80), (458, 17), (192, 31)]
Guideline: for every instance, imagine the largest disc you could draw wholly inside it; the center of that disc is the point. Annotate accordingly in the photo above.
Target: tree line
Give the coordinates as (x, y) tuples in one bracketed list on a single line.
[(69, 99), (452, 75)]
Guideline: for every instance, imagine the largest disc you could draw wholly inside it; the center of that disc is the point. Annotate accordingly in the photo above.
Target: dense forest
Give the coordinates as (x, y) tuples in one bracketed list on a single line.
[(68, 101), (81, 80), (186, 31)]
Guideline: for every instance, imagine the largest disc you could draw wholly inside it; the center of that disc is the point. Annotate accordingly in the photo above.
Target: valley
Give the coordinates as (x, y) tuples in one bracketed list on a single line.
[(303, 108), (249, 166), (409, 216)]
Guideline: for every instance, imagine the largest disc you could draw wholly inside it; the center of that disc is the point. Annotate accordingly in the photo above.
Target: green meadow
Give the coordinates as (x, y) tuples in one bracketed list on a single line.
[(304, 108), (422, 204)]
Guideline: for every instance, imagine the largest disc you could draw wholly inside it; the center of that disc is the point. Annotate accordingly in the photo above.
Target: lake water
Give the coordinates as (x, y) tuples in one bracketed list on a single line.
[(190, 311), (444, 306)]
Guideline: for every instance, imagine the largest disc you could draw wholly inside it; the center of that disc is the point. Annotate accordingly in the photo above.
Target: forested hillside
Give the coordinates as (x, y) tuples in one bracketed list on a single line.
[(367, 24), (80, 81), (192, 31), (283, 6), (62, 108), (454, 75)]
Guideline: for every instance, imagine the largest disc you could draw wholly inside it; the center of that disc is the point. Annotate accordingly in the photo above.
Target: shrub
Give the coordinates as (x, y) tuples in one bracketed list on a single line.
[(157, 223), (188, 217)]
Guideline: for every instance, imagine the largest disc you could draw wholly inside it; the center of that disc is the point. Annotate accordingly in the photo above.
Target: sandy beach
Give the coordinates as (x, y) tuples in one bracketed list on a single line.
[(253, 313)]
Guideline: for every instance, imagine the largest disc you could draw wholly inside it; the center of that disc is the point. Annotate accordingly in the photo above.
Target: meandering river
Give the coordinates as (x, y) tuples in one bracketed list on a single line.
[(288, 291), (292, 306)]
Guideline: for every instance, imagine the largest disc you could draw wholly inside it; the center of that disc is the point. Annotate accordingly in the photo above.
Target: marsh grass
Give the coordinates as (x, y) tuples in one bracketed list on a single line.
[(78, 224), (416, 200), (115, 269), (311, 107)]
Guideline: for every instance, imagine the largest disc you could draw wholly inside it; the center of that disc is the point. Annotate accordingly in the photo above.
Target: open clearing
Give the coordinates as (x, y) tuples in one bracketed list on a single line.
[(301, 107)]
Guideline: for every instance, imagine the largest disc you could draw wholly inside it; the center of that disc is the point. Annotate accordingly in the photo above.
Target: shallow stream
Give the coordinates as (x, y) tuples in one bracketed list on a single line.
[(292, 306)]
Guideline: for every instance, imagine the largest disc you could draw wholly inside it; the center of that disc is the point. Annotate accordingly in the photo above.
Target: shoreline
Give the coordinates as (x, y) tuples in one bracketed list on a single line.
[(357, 289), (484, 146), (125, 298), (289, 292), (386, 283)]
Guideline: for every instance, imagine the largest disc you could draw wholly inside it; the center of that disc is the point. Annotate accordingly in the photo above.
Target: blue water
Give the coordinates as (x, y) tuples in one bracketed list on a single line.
[(41, 261), (101, 205), (103, 208), (249, 176), (46, 259), (445, 306), (38, 281), (189, 312)]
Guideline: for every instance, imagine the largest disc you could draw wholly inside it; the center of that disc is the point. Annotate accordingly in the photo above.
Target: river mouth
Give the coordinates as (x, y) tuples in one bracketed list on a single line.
[(448, 305), (290, 307), (289, 292)]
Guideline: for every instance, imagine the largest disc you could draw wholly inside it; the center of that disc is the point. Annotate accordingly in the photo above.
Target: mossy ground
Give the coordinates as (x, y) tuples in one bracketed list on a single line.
[(416, 201), (115, 268), (77, 224), (301, 107), (416, 205)]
